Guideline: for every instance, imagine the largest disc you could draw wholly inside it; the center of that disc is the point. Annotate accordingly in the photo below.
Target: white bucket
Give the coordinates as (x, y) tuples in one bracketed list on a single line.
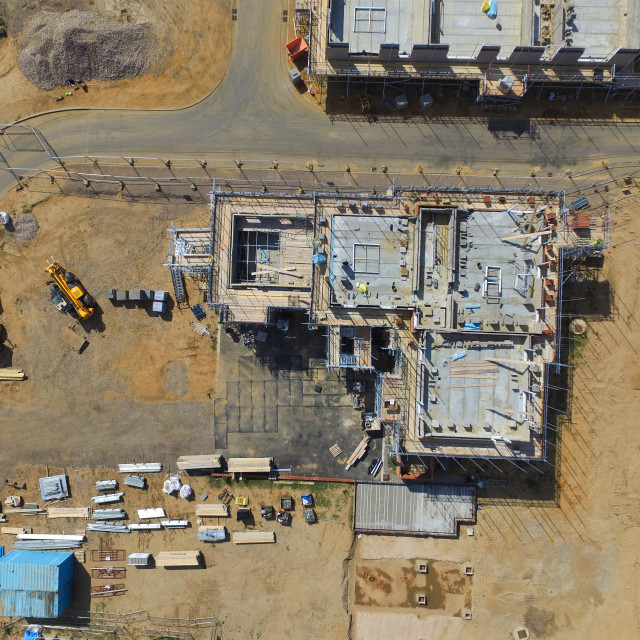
[(5, 218)]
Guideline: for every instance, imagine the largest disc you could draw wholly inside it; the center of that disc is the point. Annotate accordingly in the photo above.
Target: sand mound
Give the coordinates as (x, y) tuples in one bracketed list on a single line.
[(84, 46)]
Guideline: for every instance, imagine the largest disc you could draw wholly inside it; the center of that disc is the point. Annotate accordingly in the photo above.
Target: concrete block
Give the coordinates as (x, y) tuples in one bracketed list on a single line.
[(161, 296), (147, 294), (121, 295), (135, 295), (159, 307), (110, 294)]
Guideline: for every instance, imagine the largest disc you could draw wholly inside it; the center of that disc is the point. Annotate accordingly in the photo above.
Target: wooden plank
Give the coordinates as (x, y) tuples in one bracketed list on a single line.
[(212, 510), (71, 338), (69, 512), (358, 452), (249, 465), (14, 531), (478, 375), (253, 537), (467, 386), (29, 512), (526, 363), (205, 527), (80, 555), (186, 463), (522, 236), (178, 559)]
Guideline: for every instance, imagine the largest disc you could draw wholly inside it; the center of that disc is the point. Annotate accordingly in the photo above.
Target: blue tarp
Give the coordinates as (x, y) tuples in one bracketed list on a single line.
[(473, 325), (318, 258), (493, 9), (31, 634)]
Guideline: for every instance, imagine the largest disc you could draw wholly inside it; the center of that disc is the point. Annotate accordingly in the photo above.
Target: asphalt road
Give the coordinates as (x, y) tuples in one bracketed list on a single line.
[(257, 115)]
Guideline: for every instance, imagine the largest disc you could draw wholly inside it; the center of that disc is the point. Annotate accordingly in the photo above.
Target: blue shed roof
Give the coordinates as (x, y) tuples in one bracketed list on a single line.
[(35, 583)]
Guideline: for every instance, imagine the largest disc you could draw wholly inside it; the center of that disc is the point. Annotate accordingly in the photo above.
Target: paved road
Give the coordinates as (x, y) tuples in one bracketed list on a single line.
[(256, 115)]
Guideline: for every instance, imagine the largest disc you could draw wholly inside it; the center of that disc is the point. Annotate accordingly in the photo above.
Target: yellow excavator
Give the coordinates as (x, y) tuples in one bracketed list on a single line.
[(68, 294)]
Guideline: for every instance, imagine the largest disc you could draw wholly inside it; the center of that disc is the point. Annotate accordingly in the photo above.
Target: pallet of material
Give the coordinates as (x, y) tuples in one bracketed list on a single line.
[(140, 467), (249, 465), (14, 531), (253, 537), (83, 513), (178, 559), (212, 510), (358, 452), (80, 555), (199, 463)]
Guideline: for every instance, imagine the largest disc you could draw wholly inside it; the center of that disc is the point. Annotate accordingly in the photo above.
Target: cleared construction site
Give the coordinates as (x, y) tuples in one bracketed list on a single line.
[(448, 303)]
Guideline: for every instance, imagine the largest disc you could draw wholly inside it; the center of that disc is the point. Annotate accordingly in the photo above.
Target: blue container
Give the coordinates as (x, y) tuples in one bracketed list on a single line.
[(36, 584)]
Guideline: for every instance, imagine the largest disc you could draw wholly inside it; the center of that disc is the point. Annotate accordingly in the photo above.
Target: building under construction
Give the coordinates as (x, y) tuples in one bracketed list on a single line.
[(451, 299), (498, 49)]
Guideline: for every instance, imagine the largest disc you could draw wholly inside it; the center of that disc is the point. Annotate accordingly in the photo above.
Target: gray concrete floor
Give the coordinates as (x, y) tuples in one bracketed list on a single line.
[(267, 404)]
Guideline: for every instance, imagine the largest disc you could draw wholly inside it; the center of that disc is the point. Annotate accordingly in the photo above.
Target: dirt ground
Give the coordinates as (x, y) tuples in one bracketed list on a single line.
[(565, 568), (291, 589), (196, 37), (141, 378)]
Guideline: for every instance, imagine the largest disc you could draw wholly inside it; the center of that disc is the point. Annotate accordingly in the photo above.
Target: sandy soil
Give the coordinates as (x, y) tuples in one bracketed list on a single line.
[(135, 365), (291, 589), (195, 35), (566, 568)]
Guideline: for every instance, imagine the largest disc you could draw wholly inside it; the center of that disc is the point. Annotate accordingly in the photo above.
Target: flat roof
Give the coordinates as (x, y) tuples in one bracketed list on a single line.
[(371, 262), (366, 24), (418, 509), (467, 395)]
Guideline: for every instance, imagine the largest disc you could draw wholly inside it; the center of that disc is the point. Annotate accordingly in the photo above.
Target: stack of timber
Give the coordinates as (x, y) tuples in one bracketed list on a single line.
[(178, 559), (249, 465), (212, 510), (14, 531), (11, 374), (83, 513), (358, 452), (199, 463), (26, 511), (253, 537)]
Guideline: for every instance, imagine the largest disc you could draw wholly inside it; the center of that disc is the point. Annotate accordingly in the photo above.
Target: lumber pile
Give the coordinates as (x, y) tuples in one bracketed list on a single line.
[(11, 374), (69, 512), (178, 559), (14, 531), (212, 510), (29, 512), (199, 463), (253, 537), (249, 465), (358, 452)]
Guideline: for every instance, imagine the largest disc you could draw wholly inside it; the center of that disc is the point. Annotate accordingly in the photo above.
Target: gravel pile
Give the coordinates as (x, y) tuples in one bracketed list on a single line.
[(25, 227), (84, 46)]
